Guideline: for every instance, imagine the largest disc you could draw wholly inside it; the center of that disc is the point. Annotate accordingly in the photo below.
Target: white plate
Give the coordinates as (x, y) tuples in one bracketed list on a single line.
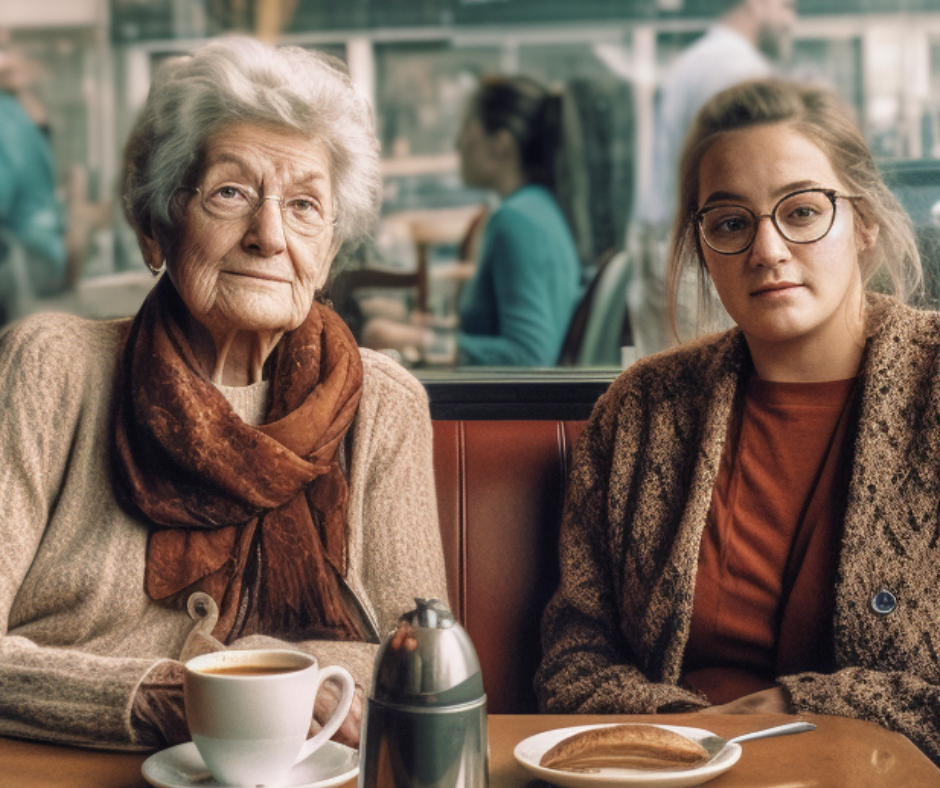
[(530, 751), (182, 767)]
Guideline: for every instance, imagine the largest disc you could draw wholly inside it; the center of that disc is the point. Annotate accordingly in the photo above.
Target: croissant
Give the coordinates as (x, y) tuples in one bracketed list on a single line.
[(630, 746)]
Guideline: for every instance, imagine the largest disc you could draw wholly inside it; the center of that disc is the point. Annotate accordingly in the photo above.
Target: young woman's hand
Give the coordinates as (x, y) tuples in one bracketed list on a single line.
[(775, 700)]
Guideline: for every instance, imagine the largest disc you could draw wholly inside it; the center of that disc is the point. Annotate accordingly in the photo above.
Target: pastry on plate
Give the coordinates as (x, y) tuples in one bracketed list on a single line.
[(628, 746)]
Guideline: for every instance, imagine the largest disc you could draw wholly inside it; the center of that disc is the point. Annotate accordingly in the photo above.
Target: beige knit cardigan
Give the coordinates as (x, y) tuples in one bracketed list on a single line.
[(77, 630), (639, 493)]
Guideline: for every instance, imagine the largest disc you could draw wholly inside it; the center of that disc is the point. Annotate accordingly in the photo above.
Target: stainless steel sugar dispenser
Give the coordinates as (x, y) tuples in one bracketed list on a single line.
[(425, 720)]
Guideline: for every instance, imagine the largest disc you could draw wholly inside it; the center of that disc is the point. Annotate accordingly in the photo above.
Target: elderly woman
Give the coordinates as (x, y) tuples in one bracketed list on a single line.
[(228, 456)]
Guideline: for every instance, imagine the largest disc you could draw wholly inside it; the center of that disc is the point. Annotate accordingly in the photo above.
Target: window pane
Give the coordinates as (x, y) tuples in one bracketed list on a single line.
[(420, 60)]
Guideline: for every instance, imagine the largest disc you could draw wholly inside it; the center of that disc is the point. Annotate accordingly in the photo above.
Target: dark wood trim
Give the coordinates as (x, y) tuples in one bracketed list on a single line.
[(565, 395)]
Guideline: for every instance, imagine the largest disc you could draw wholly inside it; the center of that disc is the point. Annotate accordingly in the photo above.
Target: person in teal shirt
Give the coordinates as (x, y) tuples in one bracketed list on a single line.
[(29, 211), (516, 309)]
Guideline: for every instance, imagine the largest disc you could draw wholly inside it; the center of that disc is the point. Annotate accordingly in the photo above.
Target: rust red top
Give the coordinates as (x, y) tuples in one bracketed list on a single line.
[(764, 588)]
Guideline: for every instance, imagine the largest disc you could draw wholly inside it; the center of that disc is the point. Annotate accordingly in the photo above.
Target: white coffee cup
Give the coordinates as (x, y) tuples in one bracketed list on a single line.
[(250, 726)]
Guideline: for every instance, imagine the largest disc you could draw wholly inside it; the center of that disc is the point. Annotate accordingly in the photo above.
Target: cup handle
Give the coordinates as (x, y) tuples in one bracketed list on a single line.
[(339, 714)]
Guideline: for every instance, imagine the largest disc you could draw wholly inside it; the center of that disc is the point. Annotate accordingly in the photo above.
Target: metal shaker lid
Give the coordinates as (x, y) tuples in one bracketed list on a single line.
[(436, 665)]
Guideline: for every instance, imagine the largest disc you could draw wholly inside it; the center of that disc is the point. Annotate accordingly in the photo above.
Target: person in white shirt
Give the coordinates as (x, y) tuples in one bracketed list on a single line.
[(738, 47)]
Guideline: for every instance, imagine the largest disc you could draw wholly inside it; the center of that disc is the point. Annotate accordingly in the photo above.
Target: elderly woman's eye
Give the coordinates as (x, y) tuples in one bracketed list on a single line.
[(303, 205), (305, 211), (229, 193), (228, 200)]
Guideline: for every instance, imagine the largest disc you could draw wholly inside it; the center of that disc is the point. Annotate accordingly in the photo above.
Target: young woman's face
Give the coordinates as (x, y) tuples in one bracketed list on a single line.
[(778, 291)]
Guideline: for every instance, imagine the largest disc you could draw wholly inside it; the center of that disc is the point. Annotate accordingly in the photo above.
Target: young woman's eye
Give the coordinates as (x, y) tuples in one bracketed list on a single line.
[(804, 213), (729, 224)]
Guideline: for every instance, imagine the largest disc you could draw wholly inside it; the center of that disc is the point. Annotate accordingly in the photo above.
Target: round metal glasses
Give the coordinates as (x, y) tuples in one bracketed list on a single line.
[(229, 202), (801, 217)]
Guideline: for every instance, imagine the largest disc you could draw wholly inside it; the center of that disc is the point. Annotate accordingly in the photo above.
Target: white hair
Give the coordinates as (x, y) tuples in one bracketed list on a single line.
[(240, 80)]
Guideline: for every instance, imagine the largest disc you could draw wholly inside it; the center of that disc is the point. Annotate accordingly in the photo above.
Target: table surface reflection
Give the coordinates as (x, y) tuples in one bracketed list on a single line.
[(841, 752)]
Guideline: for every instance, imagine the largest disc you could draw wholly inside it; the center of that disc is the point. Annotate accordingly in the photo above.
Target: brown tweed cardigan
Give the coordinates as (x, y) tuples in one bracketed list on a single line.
[(639, 493)]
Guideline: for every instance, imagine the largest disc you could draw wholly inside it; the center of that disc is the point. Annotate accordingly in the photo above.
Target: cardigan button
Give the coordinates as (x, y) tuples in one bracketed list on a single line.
[(200, 606), (884, 602)]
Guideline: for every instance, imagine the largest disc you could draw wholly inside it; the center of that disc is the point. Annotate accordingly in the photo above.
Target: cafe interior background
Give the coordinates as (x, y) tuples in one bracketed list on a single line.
[(419, 60)]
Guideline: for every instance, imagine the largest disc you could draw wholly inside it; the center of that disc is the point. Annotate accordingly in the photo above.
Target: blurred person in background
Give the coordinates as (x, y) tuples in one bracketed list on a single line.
[(741, 45), (227, 469), (751, 520), (32, 229), (516, 309)]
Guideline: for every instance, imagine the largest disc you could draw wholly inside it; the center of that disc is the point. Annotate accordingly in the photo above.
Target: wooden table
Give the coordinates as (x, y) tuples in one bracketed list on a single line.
[(841, 752)]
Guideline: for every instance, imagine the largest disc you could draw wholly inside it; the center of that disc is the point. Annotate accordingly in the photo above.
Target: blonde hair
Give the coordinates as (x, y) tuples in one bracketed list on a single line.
[(891, 264)]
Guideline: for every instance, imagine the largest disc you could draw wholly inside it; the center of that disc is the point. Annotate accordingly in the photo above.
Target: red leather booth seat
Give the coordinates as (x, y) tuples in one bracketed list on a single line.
[(500, 486)]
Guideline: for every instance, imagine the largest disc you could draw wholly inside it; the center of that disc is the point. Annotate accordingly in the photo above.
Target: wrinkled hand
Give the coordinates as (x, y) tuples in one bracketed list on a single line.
[(158, 714), (404, 637), (327, 700), (775, 700)]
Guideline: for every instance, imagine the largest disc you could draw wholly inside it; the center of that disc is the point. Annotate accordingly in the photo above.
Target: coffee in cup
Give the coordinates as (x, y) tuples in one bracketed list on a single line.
[(249, 712)]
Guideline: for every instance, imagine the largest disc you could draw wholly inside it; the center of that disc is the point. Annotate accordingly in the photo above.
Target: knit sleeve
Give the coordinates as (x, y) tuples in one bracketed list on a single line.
[(399, 543), (587, 665), (896, 700), (61, 693)]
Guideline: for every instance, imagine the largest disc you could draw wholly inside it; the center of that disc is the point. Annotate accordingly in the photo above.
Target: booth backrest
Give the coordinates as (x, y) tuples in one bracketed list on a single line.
[(500, 486)]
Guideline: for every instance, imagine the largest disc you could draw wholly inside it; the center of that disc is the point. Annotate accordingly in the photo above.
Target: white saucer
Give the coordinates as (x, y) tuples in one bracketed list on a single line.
[(182, 767), (530, 751)]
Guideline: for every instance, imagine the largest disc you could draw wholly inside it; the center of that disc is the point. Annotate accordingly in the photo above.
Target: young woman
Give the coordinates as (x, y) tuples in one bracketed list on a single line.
[(752, 521)]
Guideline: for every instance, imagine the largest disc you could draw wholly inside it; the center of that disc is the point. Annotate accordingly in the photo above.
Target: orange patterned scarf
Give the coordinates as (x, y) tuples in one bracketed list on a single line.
[(253, 516)]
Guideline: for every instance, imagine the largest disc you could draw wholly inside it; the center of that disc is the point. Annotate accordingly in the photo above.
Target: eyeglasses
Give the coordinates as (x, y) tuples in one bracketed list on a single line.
[(802, 217), (231, 202)]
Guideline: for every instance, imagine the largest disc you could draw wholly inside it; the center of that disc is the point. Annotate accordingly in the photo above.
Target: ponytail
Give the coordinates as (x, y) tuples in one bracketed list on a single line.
[(532, 114), (548, 129)]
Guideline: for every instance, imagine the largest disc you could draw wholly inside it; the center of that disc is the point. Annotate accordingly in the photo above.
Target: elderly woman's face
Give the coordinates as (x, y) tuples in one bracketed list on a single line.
[(256, 239)]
